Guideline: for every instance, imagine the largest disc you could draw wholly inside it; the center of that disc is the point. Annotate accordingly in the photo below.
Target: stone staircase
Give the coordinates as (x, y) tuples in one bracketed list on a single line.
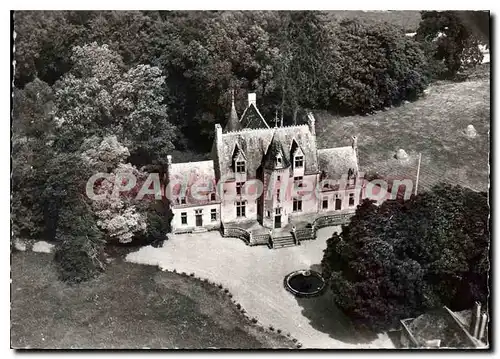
[(282, 241), (200, 230)]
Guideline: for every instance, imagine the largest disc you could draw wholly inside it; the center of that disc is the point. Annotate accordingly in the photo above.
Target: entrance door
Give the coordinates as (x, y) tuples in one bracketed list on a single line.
[(277, 221), (199, 219)]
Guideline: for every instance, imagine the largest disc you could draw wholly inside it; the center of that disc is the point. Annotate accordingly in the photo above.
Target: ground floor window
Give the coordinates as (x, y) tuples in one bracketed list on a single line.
[(184, 218), (297, 204), (351, 199), (213, 214), (240, 209), (338, 203), (325, 203)]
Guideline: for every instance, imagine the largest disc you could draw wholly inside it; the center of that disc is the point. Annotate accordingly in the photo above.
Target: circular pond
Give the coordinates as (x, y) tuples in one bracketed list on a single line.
[(304, 283)]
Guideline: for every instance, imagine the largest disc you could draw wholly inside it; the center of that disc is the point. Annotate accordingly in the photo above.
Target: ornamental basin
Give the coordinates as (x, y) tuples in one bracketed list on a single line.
[(304, 283)]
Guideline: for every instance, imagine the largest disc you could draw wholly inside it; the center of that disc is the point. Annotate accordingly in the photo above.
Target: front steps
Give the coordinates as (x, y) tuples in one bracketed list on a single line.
[(199, 230), (283, 241)]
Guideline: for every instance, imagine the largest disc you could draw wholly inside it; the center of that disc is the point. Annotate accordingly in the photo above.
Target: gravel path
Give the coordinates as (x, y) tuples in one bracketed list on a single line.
[(255, 277)]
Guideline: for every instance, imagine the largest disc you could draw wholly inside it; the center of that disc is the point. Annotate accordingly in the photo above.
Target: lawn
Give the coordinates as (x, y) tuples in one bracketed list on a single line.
[(433, 125), (129, 306)]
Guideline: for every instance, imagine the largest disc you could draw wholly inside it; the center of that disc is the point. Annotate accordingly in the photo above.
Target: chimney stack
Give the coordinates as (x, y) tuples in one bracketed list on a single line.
[(311, 122), (252, 99)]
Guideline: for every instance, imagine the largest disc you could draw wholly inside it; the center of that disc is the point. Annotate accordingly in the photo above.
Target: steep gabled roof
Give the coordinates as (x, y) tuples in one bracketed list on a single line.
[(335, 162), (252, 118), (274, 151), (255, 142), (233, 124)]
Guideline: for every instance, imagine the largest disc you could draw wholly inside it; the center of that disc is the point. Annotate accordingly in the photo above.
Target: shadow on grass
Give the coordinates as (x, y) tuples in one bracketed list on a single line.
[(325, 317)]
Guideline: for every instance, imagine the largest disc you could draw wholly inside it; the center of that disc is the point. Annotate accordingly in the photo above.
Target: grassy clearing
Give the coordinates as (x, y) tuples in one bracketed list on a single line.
[(129, 306), (408, 20), (434, 125)]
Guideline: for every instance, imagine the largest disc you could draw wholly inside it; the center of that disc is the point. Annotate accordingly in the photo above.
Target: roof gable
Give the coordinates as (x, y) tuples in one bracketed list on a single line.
[(255, 143), (252, 118)]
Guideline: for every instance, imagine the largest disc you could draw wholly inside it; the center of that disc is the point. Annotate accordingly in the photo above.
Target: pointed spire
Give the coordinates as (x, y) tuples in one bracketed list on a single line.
[(233, 124)]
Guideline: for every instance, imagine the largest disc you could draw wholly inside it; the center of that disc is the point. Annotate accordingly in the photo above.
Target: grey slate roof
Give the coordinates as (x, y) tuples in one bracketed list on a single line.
[(233, 124), (274, 150), (254, 144), (252, 118), (335, 162)]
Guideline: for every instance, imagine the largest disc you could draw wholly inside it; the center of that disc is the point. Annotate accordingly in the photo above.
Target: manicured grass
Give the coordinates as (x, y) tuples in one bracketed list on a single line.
[(129, 306), (434, 125)]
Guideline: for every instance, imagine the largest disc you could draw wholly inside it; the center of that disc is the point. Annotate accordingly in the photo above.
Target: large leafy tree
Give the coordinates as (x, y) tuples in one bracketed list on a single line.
[(32, 139), (100, 97), (399, 259), (451, 41), (379, 67)]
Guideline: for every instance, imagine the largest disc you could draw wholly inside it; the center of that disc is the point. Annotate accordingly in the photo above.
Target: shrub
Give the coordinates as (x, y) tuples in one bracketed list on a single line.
[(226, 290), (279, 331), (254, 320), (238, 306), (271, 328), (220, 286), (80, 251), (191, 274)]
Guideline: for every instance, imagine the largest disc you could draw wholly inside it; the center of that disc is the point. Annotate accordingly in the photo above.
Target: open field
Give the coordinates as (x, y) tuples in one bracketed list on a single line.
[(129, 306), (408, 20), (434, 125)]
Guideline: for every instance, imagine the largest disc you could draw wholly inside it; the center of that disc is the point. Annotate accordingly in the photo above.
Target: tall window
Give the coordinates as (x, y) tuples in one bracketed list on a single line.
[(325, 203), (351, 199), (239, 186), (240, 209), (297, 204), (278, 160), (278, 210), (298, 181), (278, 195), (184, 218), (338, 203), (240, 166), (213, 214), (299, 161)]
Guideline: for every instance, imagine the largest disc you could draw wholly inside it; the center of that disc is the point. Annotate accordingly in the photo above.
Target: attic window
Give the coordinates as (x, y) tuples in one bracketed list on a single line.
[(278, 160), (299, 161), (240, 166), (212, 196), (183, 200)]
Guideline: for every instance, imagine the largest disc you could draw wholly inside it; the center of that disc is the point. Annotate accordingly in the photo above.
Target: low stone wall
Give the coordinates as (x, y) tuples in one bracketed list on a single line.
[(236, 232), (260, 239)]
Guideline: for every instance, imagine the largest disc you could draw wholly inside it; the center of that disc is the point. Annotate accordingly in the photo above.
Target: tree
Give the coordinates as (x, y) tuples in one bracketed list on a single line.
[(99, 97), (400, 259), (450, 40), (32, 127), (80, 249), (379, 67)]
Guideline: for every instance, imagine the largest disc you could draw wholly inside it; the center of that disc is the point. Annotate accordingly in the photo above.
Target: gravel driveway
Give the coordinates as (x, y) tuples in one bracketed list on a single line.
[(255, 277)]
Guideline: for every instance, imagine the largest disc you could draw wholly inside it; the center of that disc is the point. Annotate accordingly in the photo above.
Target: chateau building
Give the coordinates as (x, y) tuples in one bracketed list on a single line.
[(262, 177)]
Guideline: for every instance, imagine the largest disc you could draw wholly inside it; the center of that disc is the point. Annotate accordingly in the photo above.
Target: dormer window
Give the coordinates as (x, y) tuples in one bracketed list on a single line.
[(212, 196), (278, 160), (183, 200), (299, 162), (240, 167)]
